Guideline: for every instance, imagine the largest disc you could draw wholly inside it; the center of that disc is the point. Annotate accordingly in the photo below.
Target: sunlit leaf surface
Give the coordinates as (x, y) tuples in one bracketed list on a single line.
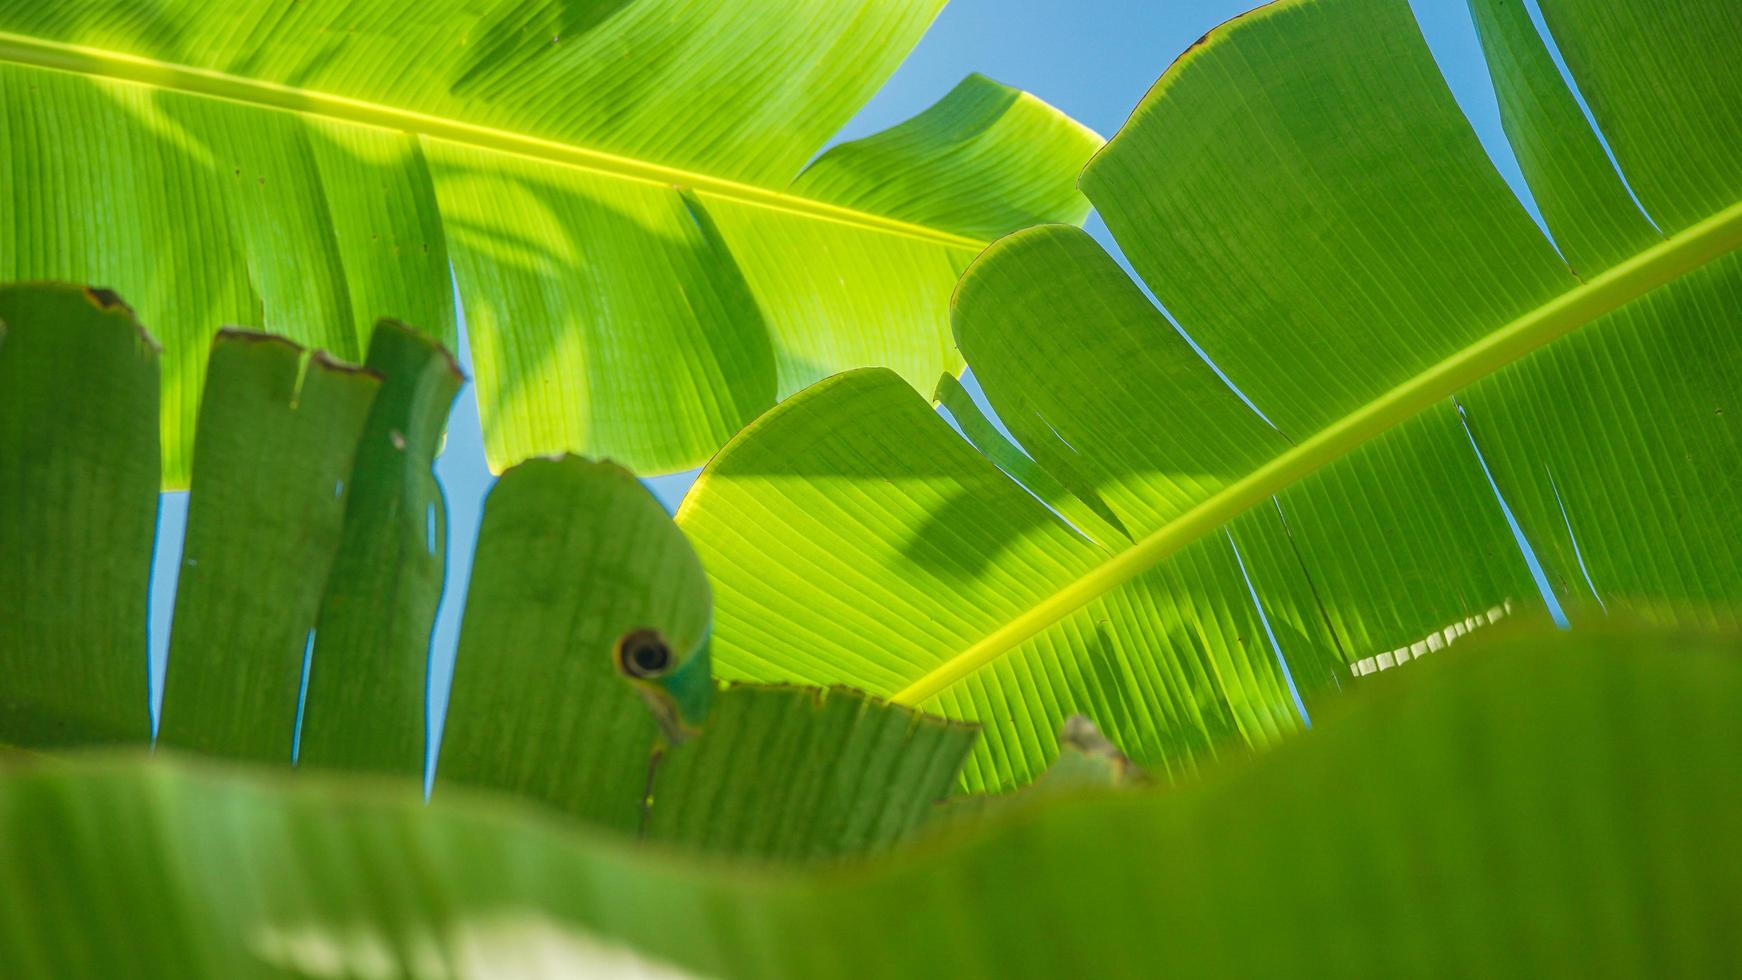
[(619, 187), (1301, 190)]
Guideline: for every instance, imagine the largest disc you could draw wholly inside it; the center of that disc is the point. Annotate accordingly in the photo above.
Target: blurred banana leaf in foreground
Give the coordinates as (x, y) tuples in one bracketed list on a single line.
[(1545, 805)]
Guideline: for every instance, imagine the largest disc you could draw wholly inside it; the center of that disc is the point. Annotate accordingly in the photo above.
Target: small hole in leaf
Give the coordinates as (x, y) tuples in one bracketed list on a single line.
[(338, 489), (643, 653)]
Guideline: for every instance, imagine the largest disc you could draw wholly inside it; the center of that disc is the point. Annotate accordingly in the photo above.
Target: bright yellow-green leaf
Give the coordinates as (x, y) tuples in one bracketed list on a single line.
[(1302, 192), (620, 188)]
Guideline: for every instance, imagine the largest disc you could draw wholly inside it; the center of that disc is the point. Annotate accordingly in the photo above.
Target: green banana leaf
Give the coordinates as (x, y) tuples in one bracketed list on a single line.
[(380, 599), (78, 510), (309, 583), (1559, 804), (1302, 192), (619, 188), (278, 431)]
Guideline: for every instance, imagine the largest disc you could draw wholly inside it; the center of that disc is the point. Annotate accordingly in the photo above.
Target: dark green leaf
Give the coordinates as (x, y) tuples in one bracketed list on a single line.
[(78, 503), (278, 431)]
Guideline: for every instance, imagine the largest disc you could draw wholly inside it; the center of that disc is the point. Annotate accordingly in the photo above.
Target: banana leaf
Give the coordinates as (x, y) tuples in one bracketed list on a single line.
[(620, 189), (1438, 383), (308, 589), (1554, 804)]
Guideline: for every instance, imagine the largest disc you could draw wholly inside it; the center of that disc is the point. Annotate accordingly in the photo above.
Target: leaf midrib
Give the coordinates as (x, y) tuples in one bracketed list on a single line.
[(96, 62), (1664, 262)]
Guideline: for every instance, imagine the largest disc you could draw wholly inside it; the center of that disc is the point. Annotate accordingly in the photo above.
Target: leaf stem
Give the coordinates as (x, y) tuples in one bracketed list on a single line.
[(75, 59)]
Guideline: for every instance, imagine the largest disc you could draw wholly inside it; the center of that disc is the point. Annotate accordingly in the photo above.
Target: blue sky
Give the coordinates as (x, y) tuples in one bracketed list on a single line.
[(1092, 58)]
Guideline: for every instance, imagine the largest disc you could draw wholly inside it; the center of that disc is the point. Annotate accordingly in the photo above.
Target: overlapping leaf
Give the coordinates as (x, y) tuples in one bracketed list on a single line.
[(1302, 191), (616, 185)]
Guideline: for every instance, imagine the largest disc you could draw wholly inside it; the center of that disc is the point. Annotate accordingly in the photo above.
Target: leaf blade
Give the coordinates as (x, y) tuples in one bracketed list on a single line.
[(1387, 540), (364, 701), (78, 464), (279, 429), (572, 555), (1585, 778), (657, 99)]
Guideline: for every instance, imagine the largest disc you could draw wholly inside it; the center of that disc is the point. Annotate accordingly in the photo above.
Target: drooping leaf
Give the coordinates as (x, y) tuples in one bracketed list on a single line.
[(1558, 805), (278, 431), (78, 500), (613, 184), (1302, 192)]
